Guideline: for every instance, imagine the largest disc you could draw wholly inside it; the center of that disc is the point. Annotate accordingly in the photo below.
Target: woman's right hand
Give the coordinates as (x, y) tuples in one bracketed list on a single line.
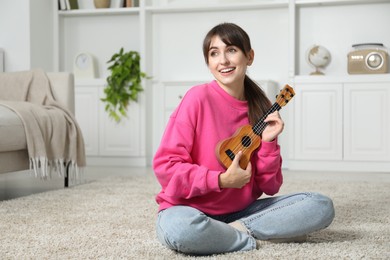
[(235, 176)]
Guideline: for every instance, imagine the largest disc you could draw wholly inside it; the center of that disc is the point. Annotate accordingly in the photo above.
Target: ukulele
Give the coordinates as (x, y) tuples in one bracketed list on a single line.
[(248, 138)]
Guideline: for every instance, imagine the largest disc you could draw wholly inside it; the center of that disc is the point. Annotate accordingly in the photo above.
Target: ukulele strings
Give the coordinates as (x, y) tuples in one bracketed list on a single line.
[(260, 125)]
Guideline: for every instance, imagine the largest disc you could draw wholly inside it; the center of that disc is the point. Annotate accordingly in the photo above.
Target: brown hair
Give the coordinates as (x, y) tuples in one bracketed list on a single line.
[(232, 34)]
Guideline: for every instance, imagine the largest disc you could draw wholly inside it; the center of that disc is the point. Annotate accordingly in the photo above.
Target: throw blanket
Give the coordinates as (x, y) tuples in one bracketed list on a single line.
[(54, 139)]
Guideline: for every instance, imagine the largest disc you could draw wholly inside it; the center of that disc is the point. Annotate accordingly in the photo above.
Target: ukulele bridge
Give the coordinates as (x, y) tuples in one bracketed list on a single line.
[(230, 154)]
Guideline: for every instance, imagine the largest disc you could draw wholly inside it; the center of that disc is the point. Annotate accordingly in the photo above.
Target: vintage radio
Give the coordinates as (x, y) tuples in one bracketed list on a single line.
[(368, 58)]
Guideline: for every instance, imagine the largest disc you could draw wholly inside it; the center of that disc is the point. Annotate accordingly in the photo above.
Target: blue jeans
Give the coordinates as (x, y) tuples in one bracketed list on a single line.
[(188, 230)]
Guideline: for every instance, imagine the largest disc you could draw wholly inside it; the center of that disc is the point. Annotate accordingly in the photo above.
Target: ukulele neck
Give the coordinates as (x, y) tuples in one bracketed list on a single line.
[(260, 125)]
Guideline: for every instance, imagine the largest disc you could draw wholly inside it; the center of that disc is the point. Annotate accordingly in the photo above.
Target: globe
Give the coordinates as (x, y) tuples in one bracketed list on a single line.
[(319, 57)]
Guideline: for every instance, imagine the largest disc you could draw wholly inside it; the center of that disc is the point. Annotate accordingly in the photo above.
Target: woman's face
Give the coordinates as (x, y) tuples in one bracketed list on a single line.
[(228, 64)]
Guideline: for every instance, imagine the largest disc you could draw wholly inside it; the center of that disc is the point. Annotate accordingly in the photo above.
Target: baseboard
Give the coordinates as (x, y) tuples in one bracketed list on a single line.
[(345, 166), (117, 161)]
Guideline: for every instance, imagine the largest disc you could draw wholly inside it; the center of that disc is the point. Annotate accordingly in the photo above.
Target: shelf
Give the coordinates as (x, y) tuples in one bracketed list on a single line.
[(98, 12), (336, 2), (347, 78), (214, 7), (90, 82)]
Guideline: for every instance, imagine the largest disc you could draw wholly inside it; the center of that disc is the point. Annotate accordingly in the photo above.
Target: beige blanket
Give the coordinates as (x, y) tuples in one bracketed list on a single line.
[(54, 139)]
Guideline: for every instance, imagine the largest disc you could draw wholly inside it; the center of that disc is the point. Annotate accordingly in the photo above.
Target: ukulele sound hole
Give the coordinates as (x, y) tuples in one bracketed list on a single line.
[(246, 141)]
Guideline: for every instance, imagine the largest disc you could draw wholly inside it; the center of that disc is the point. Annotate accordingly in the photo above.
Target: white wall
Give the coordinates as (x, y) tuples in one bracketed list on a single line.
[(178, 37), (41, 34), (26, 34), (14, 34)]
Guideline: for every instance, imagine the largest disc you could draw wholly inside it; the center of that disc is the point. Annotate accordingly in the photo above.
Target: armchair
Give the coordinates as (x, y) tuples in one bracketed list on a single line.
[(13, 144)]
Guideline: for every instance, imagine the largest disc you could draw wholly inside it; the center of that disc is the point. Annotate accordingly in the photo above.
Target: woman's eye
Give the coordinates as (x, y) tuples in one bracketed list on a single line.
[(232, 50), (213, 53)]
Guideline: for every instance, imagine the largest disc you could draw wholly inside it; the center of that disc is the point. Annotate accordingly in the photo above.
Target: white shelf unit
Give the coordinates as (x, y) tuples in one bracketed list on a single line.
[(99, 33), (324, 131), (102, 32), (168, 35)]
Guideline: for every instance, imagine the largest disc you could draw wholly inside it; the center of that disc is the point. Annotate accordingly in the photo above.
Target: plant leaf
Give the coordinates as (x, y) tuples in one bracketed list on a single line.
[(123, 84)]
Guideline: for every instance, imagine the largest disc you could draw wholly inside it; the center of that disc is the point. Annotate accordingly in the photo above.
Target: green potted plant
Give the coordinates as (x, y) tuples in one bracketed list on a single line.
[(123, 84)]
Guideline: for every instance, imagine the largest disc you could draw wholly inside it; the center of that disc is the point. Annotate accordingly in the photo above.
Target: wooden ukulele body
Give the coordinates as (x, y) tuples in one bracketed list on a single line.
[(245, 140)]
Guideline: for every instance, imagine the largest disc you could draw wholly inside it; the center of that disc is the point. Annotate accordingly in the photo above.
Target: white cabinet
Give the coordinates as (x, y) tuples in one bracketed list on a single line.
[(367, 121), (166, 97), (341, 123), (337, 122), (86, 111), (318, 121), (106, 141)]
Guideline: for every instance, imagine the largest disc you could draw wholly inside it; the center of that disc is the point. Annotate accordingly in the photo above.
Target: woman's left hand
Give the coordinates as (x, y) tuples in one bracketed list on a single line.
[(274, 128)]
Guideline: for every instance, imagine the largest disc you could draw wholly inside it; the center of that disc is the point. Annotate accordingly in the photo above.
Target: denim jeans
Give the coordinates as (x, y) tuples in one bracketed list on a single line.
[(188, 230)]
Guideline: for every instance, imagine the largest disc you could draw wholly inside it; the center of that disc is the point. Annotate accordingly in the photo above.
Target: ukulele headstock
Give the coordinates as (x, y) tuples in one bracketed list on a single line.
[(285, 95)]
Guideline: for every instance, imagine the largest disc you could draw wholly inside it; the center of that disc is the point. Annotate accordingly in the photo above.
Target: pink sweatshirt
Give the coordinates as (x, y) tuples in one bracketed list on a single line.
[(186, 166)]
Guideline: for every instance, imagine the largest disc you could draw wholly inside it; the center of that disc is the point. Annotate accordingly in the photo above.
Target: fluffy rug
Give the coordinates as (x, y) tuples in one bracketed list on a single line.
[(114, 218)]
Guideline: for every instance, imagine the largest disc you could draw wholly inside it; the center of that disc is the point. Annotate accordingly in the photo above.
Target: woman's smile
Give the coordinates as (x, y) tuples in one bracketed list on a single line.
[(227, 71)]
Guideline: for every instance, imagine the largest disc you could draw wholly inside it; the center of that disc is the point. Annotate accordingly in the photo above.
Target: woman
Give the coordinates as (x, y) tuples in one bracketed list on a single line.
[(205, 208)]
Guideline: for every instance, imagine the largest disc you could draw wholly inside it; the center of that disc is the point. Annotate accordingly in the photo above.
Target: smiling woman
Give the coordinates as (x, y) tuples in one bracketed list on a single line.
[(239, 55), (205, 208)]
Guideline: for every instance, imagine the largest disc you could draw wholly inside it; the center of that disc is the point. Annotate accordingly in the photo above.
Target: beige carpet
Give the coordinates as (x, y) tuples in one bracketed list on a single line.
[(113, 218)]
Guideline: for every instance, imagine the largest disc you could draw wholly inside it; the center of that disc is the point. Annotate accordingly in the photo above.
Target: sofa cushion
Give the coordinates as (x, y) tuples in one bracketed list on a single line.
[(12, 135)]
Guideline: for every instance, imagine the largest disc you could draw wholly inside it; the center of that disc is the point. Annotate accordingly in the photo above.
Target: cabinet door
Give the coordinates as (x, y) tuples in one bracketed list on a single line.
[(86, 102), (166, 97), (367, 121), (123, 138), (318, 121), (172, 97)]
